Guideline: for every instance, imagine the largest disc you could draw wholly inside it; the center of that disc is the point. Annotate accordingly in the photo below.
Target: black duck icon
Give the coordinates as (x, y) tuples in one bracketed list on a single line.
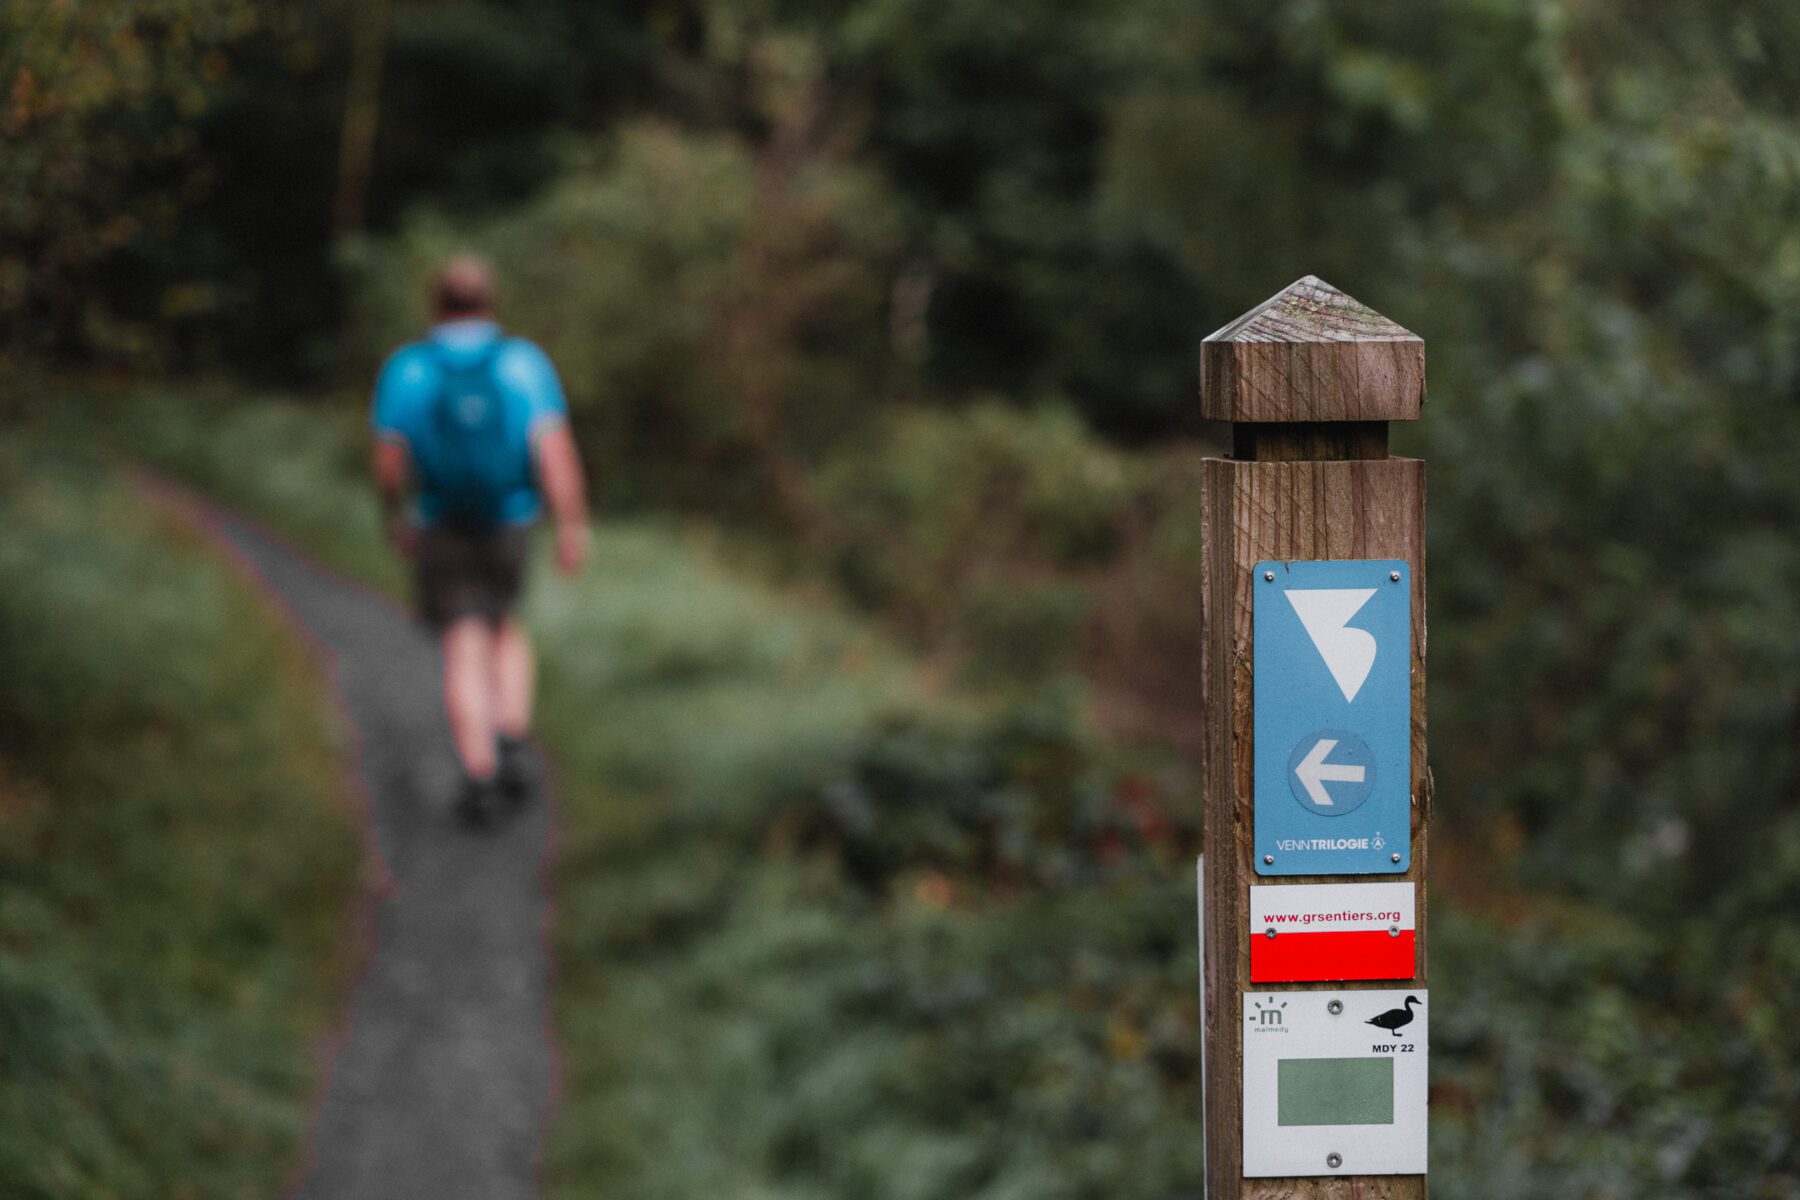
[(1394, 1018)]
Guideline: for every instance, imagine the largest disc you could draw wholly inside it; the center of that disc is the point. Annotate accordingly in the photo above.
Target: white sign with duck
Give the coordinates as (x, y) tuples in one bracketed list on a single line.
[(1335, 1082)]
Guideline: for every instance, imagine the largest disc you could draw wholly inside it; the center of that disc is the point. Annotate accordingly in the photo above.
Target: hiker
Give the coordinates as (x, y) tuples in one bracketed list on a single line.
[(471, 426)]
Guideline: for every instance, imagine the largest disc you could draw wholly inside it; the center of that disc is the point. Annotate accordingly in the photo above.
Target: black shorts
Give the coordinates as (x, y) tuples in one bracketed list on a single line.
[(469, 573)]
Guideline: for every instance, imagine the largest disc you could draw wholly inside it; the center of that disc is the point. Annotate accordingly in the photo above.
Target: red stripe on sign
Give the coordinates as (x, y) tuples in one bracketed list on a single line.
[(1309, 957)]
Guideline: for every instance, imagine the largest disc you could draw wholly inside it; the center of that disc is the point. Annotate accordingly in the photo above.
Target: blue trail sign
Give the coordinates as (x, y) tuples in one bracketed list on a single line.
[(1333, 717)]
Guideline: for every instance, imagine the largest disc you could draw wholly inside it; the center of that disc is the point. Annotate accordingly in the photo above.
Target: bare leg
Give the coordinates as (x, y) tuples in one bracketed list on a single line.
[(469, 693), (515, 673)]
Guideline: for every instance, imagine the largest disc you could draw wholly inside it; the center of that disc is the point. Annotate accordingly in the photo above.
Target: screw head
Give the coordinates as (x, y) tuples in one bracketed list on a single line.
[(1269, 932), (1394, 576), (1268, 577), (1334, 1007), (1393, 931), (1394, 857), (1268, 859), (1334, 1160)]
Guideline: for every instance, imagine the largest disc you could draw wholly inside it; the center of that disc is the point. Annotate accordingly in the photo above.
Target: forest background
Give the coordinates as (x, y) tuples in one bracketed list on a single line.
[(904, 298)]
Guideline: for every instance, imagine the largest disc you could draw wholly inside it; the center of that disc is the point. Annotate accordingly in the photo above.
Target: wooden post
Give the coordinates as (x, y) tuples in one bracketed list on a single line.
[(1309, 380)]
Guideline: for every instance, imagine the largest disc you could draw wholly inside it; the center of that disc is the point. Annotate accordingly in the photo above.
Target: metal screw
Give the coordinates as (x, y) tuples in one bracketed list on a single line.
[(1268, 577), (1334, 1007), (1334, 1160), (1270, 932), (1268, 859), (1395, 857), (1393, 931), (1394, 576)]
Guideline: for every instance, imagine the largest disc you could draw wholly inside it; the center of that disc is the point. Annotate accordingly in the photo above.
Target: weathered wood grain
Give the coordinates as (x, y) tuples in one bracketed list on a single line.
[(1285, 510), (1312, 353)]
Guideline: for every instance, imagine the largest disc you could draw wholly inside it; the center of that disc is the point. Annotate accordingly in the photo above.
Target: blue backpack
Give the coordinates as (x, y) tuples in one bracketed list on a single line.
[(473, 470)]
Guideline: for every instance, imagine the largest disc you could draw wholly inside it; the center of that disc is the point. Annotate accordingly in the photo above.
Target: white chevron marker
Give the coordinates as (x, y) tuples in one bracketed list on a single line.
[(1349, 653)]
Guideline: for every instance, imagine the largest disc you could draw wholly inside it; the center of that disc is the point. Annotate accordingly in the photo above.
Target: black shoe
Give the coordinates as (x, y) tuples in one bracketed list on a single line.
[(517, 777), (477, 804)]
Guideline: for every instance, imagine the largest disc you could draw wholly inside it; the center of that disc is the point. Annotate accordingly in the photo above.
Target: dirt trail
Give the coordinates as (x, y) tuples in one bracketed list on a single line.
[(441, 1083)]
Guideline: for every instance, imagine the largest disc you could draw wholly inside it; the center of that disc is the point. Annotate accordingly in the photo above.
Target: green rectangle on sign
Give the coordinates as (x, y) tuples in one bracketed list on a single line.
[(1335, 1091)]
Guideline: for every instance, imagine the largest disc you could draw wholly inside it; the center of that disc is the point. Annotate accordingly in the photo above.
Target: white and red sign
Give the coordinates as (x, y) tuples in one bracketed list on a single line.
[(1305, 932)]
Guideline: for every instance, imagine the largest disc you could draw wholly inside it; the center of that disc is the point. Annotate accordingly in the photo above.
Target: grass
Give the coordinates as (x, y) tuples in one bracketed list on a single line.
[(177, 864), (824, 931), (759, 991), (289, 464), (747, 1008)]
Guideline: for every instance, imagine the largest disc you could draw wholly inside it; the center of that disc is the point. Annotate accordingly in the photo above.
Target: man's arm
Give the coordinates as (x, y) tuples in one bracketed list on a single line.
[(403, 381), (392, 466), (559, 472)]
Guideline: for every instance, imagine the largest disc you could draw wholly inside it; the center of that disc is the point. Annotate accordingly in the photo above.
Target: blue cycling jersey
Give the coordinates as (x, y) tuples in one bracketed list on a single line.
[(410, 387)]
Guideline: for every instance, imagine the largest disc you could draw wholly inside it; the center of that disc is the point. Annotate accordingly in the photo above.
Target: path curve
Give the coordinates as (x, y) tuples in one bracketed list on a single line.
[(441, 1083)]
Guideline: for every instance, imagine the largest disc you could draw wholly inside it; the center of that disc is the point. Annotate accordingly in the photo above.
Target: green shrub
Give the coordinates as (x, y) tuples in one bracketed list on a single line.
[(861, 950), (176, 860), (982, 531), (936, 493), (826, 929), (300, 467)]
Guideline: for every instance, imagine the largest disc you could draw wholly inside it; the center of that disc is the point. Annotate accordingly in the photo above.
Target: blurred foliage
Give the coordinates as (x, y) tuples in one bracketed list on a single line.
[(715, 313), (825, 929), (177, 864), (102, 106), (951, 507), (867, 273), (1582, 1052), (166, 198), (269, 456), (1586, 211), (863, 950), (1017, 547)]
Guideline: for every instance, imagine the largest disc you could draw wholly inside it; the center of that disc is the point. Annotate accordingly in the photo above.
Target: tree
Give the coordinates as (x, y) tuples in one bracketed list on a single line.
[(101, 103)]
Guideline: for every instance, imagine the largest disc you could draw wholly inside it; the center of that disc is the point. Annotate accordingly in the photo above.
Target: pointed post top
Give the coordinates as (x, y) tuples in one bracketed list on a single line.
[(1311, 353), (1311, 310)]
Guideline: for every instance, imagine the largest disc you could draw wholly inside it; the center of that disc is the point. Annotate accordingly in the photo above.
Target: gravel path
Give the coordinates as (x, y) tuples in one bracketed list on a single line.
[(440, 1085)]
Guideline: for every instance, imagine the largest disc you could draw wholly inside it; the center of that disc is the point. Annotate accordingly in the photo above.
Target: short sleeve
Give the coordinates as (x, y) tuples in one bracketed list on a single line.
[(527, 370), (405, 379)]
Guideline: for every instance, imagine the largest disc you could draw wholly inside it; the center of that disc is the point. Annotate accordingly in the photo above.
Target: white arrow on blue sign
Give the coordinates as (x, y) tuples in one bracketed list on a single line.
[(1333, 717)]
